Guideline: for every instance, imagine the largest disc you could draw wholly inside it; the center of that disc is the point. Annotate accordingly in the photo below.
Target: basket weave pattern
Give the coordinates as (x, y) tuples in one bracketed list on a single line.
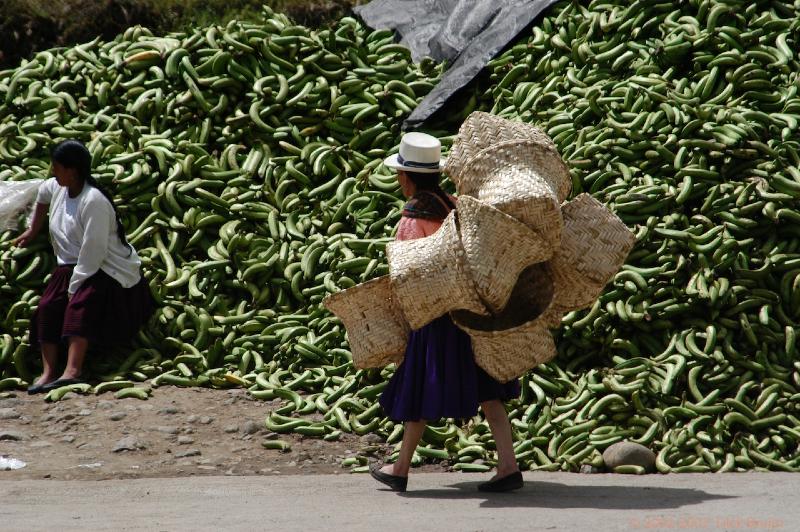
[(480, 130), (510, 178), (430, 276), (519, 169), (594, 245), (531, 344), (530, 298), (516, 169), (498, 247), (376, 328)]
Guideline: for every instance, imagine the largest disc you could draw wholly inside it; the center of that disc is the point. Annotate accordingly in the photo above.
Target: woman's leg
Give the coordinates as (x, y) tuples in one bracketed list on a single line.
[(77, 353), (411, 435), (497, 417), (49, 361)]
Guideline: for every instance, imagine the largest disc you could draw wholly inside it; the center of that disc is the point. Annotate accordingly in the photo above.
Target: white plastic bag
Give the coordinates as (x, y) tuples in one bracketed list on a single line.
[(16, 201), (9, 464)]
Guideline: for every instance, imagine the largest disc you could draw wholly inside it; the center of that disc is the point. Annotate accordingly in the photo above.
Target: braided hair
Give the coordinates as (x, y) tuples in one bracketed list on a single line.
[(73, 154)]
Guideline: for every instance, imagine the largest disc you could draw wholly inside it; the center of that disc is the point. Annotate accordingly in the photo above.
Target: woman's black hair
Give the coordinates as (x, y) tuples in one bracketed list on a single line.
[(73, 154), (430, 182)]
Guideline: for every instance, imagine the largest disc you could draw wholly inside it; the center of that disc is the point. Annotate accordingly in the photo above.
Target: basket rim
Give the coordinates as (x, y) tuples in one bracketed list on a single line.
[(549, 151), (341, 294)]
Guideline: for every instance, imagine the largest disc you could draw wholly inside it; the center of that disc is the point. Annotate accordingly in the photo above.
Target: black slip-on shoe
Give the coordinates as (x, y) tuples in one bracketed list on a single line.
[(58, 383), (33, 389), (393, 481), (506, 483)]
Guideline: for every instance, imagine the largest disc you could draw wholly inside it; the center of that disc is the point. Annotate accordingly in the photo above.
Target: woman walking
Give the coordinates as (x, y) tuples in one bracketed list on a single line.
[(438, 377), (96, 293)]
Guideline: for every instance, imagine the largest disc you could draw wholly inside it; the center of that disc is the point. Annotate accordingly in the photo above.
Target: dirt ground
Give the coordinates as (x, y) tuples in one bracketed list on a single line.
[(177, 432)]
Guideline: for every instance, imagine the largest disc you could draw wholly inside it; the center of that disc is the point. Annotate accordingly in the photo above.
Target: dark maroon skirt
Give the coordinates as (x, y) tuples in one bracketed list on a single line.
[(102, 311), (439, 378)]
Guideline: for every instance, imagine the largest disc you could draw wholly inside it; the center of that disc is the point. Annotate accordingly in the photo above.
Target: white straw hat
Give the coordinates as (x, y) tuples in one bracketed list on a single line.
[(419, 152)]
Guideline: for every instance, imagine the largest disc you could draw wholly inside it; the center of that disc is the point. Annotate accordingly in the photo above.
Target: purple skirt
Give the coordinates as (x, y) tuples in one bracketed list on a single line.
[(102, 311), (439, 378)]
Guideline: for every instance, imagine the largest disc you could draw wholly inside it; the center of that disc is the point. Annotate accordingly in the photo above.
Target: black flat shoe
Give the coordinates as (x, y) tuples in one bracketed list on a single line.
[(393, 481), (58, 383), (506, 483), (36, 388)]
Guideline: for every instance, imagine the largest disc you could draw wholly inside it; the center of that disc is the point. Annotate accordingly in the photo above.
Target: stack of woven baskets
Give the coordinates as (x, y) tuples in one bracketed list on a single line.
[(507, 263)]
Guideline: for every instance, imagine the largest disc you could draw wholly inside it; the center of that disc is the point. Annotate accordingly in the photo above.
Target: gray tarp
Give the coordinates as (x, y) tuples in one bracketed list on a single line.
[(466, 33)]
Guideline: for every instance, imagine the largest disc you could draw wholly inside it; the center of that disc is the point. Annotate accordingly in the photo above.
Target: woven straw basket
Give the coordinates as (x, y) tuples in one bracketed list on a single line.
[(527, 162), (430, 275), (508, 344), (509, 177), (531, 298), (498, 248), (594, 245), (376, 328), (480, 130), (507, 354)]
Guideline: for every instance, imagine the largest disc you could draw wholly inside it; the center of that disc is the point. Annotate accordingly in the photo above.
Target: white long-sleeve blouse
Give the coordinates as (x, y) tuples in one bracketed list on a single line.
[(83, 231)]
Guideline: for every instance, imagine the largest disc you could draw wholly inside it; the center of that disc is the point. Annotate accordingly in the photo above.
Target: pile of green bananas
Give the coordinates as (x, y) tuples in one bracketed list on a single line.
[(247, 169), (244, 161), (682, 117)]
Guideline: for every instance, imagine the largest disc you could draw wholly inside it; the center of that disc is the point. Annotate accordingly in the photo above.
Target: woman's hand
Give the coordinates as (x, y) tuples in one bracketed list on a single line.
[(39, 219), (25, 239)]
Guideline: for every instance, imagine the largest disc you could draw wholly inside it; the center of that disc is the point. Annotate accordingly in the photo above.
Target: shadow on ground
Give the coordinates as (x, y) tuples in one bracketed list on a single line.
[(554, 495)]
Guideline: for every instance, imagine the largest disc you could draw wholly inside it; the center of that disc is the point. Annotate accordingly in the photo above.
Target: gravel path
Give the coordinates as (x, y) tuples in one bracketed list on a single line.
[(177, 432)]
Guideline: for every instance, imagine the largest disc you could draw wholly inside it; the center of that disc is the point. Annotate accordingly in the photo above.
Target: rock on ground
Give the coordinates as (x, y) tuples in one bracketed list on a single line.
[(629, 453), (8, 413), (128, 443)]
